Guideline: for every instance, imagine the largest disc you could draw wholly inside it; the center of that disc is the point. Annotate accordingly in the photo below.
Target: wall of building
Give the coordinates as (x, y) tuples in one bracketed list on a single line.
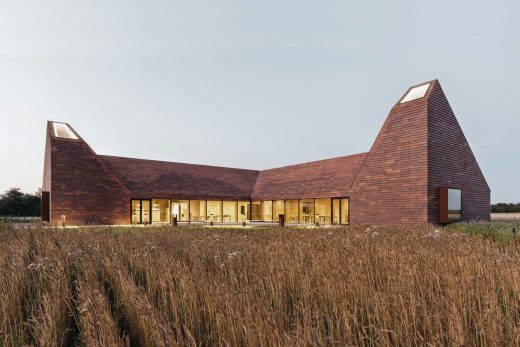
[(82, 188), (451, 162), (391, 186)]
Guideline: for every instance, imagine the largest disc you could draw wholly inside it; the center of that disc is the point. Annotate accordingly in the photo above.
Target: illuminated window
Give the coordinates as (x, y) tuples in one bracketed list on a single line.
[(136, 211), (278, 209), (63, 130), (229, 213), (291, 211), (267, 211), (415, 93), (256, 210), (160, 211), (335, 211), (307, 211), (214, 211), (323, 211), (243, 211), (344, 211), (197, 210)]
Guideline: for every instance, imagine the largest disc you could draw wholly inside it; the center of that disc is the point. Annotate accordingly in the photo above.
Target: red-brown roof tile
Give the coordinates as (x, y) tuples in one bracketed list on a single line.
[(152, 178), (317, 179)]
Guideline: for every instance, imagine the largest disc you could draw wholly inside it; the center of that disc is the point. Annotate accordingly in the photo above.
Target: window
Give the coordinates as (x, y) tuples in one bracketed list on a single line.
[(278, 209), (415, 93), (307, 211), (454, 205), (256, 210), (323, 211), (136, 211), (336, 211), (197, 210), (160, 211), (344, 210), (243, 211), (267, 211), (63, 130), (229, 211), (214, 211), (145, 211), (291, 211)]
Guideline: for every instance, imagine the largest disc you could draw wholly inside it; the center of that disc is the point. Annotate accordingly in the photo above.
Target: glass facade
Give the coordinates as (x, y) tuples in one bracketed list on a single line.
[(160, 211), (335, 211), (145, 211), (136, 211), (291, 210), (243, 211), (344, 211), (323, 211), (267, 211), (229, 209), (278, 209), (197, 210), (304, 211), (214, 211), (256, 210)]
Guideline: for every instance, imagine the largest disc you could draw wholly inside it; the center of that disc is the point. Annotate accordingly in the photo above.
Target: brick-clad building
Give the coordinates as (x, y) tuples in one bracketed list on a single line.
[(420, 169)]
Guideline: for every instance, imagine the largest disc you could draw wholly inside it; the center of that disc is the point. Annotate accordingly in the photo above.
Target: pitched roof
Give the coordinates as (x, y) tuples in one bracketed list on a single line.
[(161, 179), (152, 178), (317, 179)]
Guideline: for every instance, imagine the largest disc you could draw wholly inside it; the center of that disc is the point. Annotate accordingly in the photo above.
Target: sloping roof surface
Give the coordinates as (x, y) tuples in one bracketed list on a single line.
[(317, 179), (151, 178)]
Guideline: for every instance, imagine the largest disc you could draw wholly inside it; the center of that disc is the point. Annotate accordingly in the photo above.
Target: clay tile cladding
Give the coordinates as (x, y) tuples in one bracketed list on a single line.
[(151, 178), (161, 179), (318, 179)]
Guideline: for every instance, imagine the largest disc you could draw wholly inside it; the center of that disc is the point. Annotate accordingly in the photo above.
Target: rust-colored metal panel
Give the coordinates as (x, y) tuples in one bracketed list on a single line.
[(443, 205)]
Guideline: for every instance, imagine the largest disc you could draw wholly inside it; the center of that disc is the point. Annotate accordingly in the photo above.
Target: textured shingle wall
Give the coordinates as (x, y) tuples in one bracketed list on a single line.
[(391, 187), (452, 163), (319, 179), (161, 179), (82, 188)]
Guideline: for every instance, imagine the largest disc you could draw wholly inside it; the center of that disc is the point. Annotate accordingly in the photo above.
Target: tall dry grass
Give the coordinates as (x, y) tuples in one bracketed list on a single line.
[(194, 286)]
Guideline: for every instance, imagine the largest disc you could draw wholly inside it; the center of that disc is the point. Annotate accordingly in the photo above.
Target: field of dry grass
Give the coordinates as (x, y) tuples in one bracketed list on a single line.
[(505, 216), (270, 287)]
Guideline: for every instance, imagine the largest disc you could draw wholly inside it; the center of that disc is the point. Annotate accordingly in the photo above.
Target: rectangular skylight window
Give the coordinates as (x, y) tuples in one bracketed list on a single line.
[(416, 93), (63, 130)]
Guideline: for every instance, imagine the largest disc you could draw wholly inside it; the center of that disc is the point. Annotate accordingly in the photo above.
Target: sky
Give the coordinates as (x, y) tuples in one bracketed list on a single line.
[(252, 84)]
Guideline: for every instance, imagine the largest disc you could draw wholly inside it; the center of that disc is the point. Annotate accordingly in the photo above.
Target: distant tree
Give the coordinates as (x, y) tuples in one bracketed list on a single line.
[(14, 203), (505, 208)]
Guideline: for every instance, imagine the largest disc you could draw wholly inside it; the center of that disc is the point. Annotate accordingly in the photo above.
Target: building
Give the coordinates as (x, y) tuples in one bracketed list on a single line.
[(419, 170)]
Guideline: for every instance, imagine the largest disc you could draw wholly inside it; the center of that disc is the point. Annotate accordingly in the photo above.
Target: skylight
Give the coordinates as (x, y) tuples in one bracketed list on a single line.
[(416, 93), (63, 130)]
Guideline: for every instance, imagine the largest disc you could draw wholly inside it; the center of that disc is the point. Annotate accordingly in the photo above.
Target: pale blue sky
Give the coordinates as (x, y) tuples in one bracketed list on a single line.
[(252, 84)]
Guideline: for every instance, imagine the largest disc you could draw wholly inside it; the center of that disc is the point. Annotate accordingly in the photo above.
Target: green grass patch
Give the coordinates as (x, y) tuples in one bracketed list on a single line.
[(500, 232)]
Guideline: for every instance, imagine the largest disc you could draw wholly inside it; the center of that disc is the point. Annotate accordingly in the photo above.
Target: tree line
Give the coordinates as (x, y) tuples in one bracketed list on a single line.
[(14, 203), (502, 207)]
